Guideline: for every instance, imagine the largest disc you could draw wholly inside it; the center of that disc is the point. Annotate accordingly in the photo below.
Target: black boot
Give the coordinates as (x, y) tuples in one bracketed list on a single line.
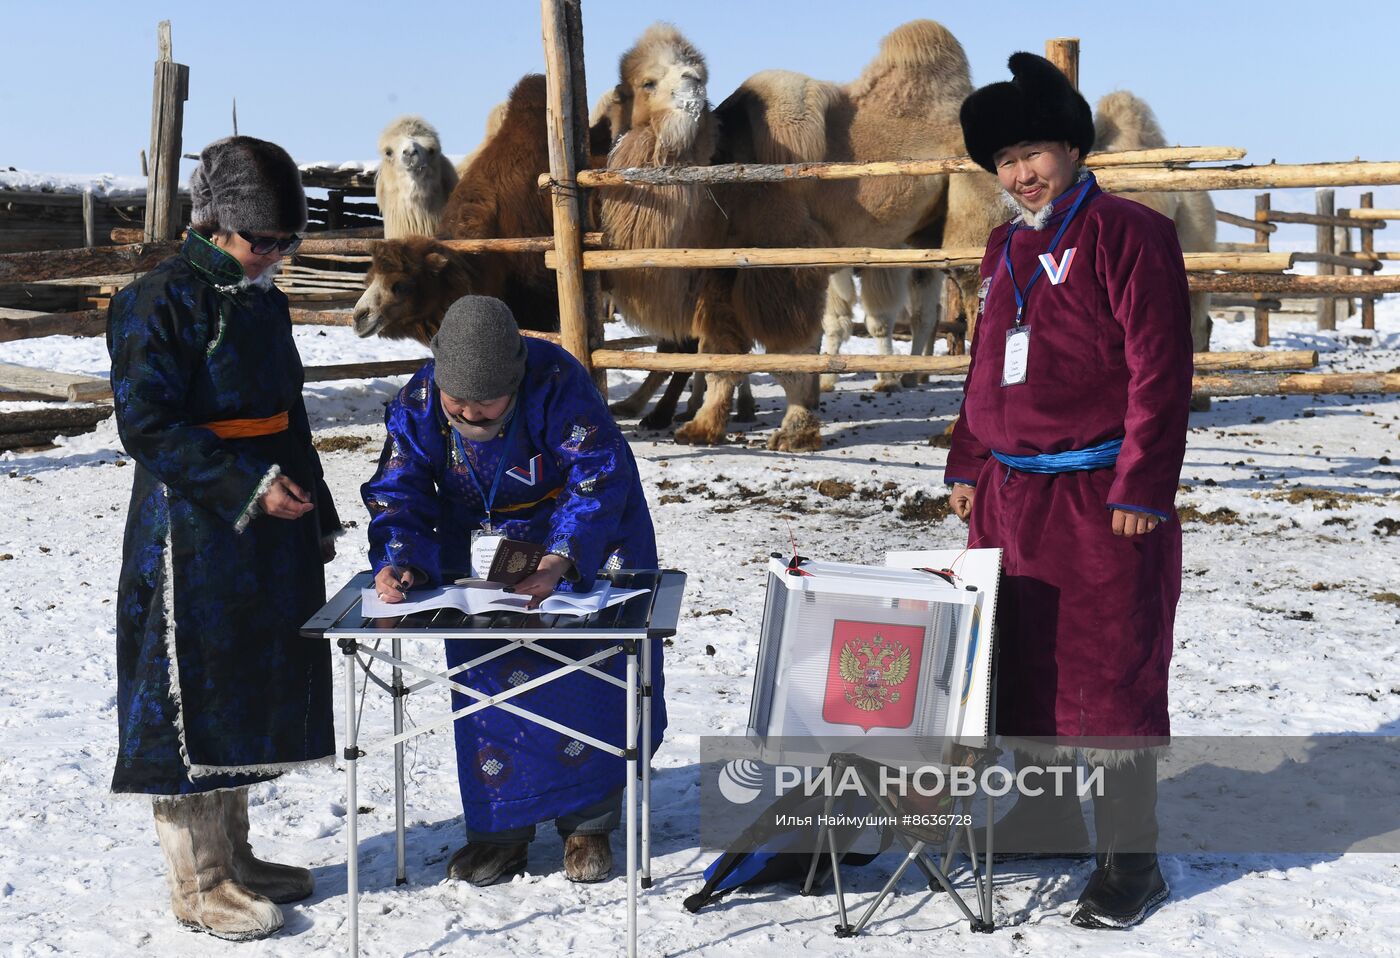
[(1127, 884), (1047, 825)]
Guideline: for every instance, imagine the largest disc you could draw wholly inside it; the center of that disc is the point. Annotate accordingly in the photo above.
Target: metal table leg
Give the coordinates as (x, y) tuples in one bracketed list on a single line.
[(631, 798), (352, 801), (401, 875), (646, 763)]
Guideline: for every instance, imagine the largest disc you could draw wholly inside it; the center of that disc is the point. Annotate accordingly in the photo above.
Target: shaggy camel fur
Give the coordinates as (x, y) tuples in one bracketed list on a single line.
[(411, 282), (904, 105), (663, 94), (414, 178), (1122, 121)]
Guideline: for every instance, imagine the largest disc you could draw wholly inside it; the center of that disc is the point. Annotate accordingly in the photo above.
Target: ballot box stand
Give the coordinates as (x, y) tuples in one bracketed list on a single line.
[(897, 657), (629, 627), (917, 829)]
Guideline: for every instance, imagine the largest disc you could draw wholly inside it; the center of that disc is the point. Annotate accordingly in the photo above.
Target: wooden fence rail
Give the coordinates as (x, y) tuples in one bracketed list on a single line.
[(1163, 158), (931, 365)]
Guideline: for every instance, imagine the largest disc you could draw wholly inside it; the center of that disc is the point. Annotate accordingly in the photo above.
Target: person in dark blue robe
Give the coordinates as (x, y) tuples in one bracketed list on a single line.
[(509, 434), (228, 526)]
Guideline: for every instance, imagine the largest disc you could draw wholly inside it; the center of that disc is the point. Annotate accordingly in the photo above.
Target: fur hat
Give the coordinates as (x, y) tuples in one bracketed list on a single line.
[(243, 183), (1038, 103), (478, 351)]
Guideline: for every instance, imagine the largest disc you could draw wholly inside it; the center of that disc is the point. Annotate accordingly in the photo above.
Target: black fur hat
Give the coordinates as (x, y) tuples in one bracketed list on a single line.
[(1038, 103), (243, 183)]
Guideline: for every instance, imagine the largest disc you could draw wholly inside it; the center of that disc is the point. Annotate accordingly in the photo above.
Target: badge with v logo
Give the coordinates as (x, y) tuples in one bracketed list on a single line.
[(529, 478), (1057, 272)]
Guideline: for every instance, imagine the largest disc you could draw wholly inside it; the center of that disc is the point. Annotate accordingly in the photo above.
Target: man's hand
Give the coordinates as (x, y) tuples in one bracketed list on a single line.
[(285, 499), (1127, 523), (392, 582), (960, 500), (542, 583)]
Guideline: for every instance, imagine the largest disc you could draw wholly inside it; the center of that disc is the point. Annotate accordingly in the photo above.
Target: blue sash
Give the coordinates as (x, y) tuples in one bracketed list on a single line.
[(1071, 460)]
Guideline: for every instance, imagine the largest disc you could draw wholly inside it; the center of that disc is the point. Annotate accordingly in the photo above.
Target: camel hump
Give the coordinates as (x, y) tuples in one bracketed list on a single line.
[(920, 55), (921, 43), (1123, 121), (785, 113)]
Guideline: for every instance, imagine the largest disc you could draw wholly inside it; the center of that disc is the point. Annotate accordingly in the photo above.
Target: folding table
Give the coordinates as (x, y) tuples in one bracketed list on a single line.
[(629, 627)]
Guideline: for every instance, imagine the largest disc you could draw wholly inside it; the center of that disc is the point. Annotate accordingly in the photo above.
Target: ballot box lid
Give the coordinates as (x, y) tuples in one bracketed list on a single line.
[(844, 578)]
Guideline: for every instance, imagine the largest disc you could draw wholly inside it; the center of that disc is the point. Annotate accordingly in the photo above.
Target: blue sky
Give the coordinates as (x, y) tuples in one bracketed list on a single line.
[(323, 79)]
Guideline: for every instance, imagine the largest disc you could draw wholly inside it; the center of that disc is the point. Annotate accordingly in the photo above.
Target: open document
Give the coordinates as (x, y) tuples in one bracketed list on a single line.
[(476, 599)]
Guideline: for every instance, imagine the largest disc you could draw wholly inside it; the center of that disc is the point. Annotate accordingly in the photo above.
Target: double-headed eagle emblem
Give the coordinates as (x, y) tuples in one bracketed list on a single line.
[(873, 670)]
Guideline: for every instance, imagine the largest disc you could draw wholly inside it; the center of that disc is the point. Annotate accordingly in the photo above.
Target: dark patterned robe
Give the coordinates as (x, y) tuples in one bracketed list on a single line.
[(569, 483), (214, 686), (1085, 621)]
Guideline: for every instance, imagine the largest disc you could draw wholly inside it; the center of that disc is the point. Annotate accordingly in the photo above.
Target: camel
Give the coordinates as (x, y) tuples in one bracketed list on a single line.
[(662, 93), (496, 197), (904, 105), (1123, 121), (414, 179)]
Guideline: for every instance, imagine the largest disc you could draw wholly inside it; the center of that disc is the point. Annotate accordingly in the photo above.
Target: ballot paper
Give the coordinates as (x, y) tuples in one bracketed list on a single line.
[(475, 599)]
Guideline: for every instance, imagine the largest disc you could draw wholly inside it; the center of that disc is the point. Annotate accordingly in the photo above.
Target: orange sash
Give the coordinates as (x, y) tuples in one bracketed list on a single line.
[(519, 506), (244, 428)]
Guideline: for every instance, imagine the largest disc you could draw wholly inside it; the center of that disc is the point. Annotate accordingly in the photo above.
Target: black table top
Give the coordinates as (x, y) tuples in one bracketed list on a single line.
[(653, 615)]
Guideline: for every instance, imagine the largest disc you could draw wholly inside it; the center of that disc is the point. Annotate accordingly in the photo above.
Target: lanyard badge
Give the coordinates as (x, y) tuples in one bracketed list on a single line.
[(488, 500), (1016, 360), (1018, 337)]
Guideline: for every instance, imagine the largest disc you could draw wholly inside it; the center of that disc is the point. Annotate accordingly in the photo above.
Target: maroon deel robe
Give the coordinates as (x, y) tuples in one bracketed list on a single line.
[(1085, 619)]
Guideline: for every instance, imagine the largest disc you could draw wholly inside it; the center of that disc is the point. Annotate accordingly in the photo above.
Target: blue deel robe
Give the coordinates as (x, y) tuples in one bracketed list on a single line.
[(570, 483), (215, 687)]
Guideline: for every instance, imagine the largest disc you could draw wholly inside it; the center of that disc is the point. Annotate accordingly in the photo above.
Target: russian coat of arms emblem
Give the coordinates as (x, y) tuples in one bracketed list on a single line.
[(873, 675)]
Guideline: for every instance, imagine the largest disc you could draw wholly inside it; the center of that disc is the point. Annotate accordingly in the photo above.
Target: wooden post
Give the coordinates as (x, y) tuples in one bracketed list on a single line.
[(1326, 244), (1343, 235), (592, 286), (89, 220), (335, 205), (1368, 245), (1261, 236), (563, 165), (172, 85), (1064, 53)]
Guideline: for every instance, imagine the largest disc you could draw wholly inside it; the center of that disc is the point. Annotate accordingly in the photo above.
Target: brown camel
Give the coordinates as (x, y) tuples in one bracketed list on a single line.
[(904, 105), (497, 196), (663, 89)]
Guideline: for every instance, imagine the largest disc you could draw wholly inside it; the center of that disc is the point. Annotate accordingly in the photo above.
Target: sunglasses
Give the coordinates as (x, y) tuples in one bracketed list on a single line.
[(262, 245)]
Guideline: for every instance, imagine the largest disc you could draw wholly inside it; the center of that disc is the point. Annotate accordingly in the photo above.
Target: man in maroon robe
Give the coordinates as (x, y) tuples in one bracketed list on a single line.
[(1067, 456)]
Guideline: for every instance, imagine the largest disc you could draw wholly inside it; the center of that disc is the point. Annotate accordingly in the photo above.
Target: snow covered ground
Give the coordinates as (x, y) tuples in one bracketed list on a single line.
[(1287, 626)]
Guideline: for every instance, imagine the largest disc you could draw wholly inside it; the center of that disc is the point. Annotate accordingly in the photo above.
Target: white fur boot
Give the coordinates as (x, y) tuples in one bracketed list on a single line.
[(204, 893), (278, 883)]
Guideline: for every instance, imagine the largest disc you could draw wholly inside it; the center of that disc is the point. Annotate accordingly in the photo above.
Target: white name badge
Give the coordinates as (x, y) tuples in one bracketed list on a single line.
[(483, 552), (1018, 350)]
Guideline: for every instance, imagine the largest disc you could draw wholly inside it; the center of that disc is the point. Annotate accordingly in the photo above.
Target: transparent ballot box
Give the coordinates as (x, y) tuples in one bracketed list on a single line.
[(888, 662)]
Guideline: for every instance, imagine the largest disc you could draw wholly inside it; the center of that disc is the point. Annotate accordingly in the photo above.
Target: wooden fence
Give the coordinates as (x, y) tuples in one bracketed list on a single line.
[(566, 179), (327, 271)]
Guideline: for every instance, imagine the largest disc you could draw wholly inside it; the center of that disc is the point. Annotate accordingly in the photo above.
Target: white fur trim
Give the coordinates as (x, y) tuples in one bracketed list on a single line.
[(1048, 752), (252, 508), (198, 771), (172, 654)]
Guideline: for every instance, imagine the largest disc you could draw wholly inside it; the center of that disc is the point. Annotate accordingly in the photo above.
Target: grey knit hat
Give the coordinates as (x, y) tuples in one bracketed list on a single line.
[(478, 351), (243, 183)]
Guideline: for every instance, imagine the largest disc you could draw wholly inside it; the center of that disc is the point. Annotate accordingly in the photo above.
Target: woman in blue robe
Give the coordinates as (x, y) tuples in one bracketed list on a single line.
[(510, 433), (227, 529)]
